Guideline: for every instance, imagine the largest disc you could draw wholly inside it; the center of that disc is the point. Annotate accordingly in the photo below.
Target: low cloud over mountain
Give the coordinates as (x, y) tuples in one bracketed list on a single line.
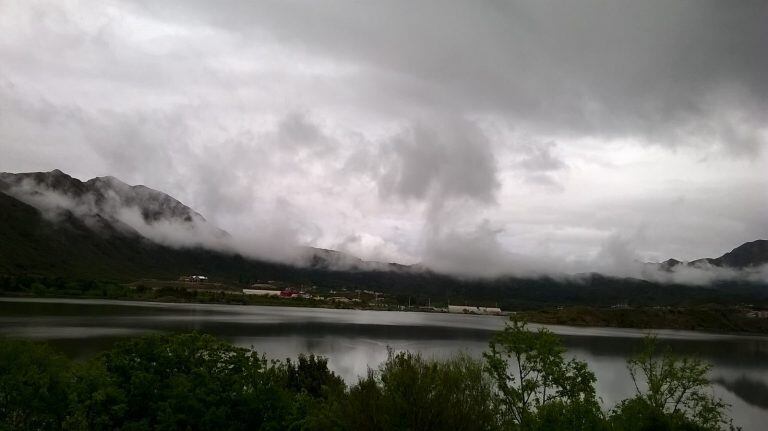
[(132, 209), (109, 206)]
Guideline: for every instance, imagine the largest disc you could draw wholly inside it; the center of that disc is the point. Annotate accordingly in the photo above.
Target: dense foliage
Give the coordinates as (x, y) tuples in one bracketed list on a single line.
[(197, 382), (716, 318)]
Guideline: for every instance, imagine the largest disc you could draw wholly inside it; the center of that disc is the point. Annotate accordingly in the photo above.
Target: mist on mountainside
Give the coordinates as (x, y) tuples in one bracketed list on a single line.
[(107, 202)]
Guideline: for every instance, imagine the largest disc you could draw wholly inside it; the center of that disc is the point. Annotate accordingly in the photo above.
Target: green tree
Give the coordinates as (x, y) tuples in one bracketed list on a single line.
[(34, 383), (310, 374), (672, 393), (530, 372), (190, 381), (317, 393), (411, 393)]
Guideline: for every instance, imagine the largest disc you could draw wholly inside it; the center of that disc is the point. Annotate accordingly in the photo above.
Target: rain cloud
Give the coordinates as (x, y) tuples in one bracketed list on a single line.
[(476, 137)]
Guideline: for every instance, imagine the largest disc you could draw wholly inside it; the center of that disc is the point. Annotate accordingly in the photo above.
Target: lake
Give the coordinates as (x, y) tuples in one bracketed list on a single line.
[(354, 340)]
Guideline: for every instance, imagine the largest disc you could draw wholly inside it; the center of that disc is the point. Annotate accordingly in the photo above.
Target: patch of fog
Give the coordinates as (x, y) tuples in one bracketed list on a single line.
[(472, 252)]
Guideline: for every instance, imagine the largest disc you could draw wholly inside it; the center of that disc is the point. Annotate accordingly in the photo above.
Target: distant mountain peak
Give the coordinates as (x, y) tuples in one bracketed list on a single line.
[(753, 253), (107, 198), (109, 179), (748, 255), (669, 264)]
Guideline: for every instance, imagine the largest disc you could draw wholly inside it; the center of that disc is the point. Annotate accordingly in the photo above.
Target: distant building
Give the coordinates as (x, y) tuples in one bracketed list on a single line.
[(466, 309), (339, 299), (261, 292), (760, 314), (193, 278)]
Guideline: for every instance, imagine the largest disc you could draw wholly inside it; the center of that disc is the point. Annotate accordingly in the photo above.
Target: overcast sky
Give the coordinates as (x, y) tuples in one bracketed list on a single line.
[(472, 136)]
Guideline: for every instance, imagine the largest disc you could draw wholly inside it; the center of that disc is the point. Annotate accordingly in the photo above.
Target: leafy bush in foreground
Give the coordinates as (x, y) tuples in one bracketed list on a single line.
[(34, 386), (537, 387), (197, 382), (676, 395), (412, 393)]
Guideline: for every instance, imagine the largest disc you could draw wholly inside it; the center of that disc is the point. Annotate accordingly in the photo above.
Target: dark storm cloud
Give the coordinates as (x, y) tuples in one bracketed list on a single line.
[(439, 160), (540, 164), (540, 158), (667, 71), (295, 128)]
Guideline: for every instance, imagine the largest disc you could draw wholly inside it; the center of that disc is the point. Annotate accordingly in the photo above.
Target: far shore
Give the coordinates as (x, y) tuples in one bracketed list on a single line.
[(558, 319)]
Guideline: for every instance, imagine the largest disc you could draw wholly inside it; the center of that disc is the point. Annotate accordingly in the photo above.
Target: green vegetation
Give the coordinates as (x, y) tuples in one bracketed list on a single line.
[(197, 382), (166, 291), (713, 318), (538, 389)]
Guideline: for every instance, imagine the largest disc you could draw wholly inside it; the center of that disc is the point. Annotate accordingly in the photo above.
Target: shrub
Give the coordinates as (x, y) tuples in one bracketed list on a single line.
[(409, 392), (34, 384), (191, 381), (672, 393), (530, 373), (197, 382)]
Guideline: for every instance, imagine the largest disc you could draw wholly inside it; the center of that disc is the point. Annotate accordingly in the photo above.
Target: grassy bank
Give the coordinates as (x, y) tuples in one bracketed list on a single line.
[(704, 318)]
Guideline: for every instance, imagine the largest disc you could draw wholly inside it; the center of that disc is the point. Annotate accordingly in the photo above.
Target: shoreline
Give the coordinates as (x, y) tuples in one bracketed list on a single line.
[(558, 328)]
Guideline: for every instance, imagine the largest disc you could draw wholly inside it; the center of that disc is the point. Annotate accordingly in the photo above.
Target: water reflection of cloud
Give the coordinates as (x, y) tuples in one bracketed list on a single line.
[(752, 391)]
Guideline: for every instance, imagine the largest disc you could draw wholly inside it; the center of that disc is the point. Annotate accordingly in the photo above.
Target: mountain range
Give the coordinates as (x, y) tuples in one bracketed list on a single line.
[(52, 224), (41, 210), (748, 255)]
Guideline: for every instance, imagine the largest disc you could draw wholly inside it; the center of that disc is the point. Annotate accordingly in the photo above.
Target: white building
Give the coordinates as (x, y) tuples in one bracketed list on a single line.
[(193, 278), (261, 292), (466, 309)]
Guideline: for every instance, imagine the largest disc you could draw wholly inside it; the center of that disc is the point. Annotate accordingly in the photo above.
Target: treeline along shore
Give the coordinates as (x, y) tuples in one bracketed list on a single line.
[(724, 317)]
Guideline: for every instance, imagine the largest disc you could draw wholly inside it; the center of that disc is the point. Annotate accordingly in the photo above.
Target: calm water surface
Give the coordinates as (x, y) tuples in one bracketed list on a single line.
[(354, 340)]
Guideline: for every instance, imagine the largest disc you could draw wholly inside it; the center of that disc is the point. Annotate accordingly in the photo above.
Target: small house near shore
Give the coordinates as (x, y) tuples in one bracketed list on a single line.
[(193, 278), (466, 309), (261, 292)]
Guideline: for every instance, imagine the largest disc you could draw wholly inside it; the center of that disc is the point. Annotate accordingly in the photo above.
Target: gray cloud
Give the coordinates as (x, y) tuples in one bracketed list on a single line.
[(539, 158), (656, 69), (524, 132), (438, 161), (540, 165)]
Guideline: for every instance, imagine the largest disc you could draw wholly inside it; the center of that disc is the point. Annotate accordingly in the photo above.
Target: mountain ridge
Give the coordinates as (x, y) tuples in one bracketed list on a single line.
[(99, 203), (750, 254), (101, 192), (74, 249)]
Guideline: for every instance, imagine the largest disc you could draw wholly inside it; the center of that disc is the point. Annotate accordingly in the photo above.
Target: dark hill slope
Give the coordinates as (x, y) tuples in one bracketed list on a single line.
[(100, 195), (749, 254), (31, 245)]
